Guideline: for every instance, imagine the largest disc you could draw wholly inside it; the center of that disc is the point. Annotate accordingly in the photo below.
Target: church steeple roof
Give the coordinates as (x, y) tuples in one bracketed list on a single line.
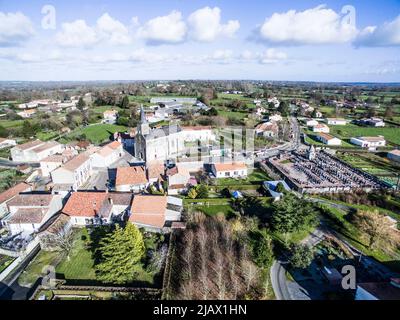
[(142, 115)]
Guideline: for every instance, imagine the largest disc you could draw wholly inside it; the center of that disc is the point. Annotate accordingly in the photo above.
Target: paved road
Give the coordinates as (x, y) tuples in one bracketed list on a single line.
[(278, 281)]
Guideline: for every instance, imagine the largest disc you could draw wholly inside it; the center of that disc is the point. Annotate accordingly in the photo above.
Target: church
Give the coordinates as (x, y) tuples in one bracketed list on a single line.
[(166, 142)]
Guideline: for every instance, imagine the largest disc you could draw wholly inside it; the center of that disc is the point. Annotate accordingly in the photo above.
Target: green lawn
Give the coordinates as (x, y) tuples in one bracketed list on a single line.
[(256, 177), (336, 218), (37, 267), (232, 114), (5, 261), (11, 123), (391, 134), (79, 265), (95, 133)]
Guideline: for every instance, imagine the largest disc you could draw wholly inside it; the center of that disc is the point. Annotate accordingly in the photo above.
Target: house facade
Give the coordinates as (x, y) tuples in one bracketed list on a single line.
[(369, 142), (96, 208), (5, 143), (28, 212), (336, 121), (394, 155), (73, 173), (36, 150), (329, 139), (229, 170), (107, 155)]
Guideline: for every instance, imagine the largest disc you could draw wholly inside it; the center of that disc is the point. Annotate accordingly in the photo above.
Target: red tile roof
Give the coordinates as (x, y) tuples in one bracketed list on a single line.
[(229, 166), (131, 176), (84, 204), (148, 210), (28, 215), (12, 192)]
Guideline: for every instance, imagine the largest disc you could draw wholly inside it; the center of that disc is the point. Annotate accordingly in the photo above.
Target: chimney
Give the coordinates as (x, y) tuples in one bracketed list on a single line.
[(110, 200)]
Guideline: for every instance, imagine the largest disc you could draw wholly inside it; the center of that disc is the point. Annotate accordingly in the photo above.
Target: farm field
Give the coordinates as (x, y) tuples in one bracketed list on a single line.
[(391, 134), (97, 133)]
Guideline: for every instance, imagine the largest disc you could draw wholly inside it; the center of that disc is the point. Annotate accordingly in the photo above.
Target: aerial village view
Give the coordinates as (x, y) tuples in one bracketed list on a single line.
[(284, 188)]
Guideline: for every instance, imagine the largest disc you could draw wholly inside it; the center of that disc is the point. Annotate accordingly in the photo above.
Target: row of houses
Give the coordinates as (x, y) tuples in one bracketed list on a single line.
[(29, 213)]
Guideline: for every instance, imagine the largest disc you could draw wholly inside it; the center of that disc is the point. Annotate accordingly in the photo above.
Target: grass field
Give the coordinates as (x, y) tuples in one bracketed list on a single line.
[(95, 133), (79, 267), (80, 264), (346, 132), (37, 267)]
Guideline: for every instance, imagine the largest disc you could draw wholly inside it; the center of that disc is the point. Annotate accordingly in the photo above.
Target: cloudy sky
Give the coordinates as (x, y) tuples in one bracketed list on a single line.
[(196, 39)]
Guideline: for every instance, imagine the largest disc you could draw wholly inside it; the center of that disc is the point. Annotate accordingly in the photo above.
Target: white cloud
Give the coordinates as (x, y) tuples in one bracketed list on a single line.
[(164, 29), (113, 30), (79, 34), (386, 35), (318, 25), (205, 25), (272, 56), (14, 28), (76, 34)]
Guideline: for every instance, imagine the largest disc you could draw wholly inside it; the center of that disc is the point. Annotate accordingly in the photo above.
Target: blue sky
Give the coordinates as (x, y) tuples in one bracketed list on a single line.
[(182, 39)]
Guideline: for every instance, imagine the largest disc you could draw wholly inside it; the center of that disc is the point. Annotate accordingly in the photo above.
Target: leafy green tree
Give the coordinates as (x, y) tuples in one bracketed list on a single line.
[(122, 121), (301, 256), (202, 191), (125, 102), (280, 187), (262, 249), (192, 194), (292, 214), (284, 108), (81, 104), (120, 255), (3, 132), (27, 129)]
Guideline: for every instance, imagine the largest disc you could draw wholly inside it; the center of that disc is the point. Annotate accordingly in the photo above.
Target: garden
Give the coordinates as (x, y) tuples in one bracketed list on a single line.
[(103, 255)]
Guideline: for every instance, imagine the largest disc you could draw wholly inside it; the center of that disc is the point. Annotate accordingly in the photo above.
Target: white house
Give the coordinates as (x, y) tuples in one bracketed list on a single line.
[(154, 212), (73, 173), (198, 133), (373, 122), (51, 163), (336, 121), (311, 122), (274, 101), (275, 117), (394, 155), (28, 212), (229, 170), (10, 193), (107, 155), (329, 139), (28, 113), (110, 116), (94, 208), (36, 150), (369, 142), (267, 129), (131, 179), (260, 111), (320, 128), (178, 179), (5, 143)]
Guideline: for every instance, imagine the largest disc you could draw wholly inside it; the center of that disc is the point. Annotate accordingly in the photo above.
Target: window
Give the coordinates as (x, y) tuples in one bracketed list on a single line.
[(227, 174)]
